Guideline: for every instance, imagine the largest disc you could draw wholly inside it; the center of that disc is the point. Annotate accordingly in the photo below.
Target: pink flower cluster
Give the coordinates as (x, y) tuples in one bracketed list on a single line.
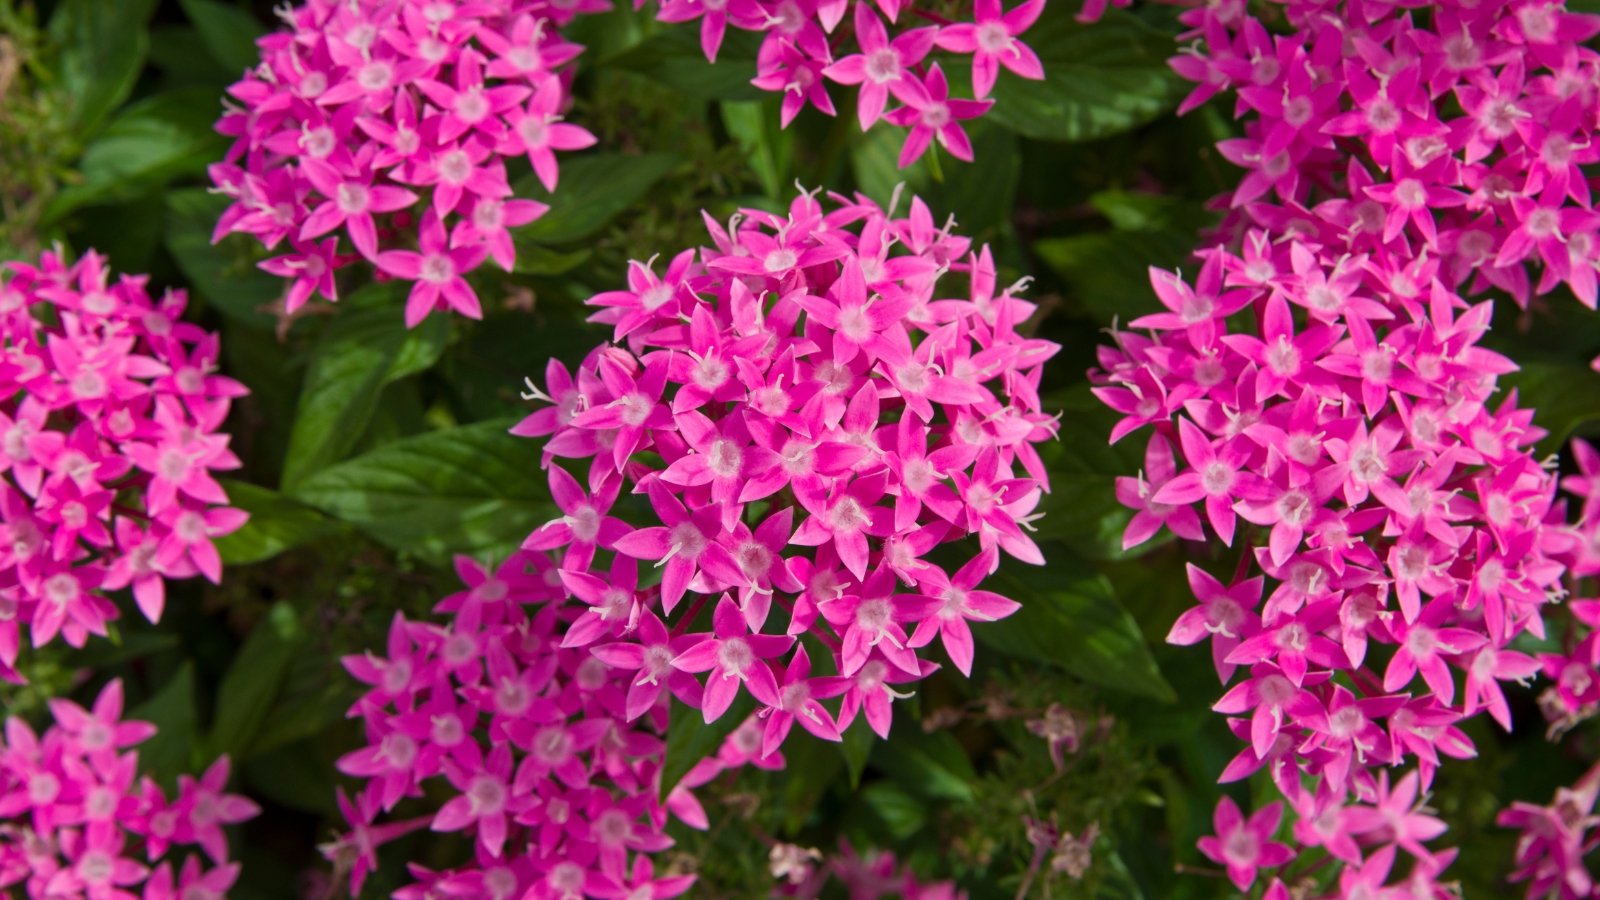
[(1406, 527), (1444, 141), (805, 47), (544, 761), (75, 822), (808, 417), (874, 876), (373, 121), (1324, 382), (1574, 673), (108, 437), (1555, 839)]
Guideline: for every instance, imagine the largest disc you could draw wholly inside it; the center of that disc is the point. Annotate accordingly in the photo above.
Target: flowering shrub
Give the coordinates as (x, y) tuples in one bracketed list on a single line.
[(1351, 418), (110, 432), (362, 106), (776, 380), (810, 449), (78, 824)]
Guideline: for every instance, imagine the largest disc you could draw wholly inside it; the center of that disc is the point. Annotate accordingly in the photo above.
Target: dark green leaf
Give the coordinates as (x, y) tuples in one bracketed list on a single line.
[(857, 745), (472, 489), (228, 32), (172, 710), (1072, 620), (253, 681), (673, 57), (902, 813), (768, 146), (362, 350), (690, 739), (1109, 271), (103, 45), (276, 524), (594, 189), (145, 146), (929, 764), (1100, 79), (1565, 397), (224, 275)]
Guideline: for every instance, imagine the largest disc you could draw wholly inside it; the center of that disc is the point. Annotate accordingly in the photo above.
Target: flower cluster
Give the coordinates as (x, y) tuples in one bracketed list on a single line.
[(801, 872), (78, 821), (1403, 521), (1555, 839), (531, 741), (1442, 141), (108, 437), (1324, 382), (808, 418), (805, 46), (1574, 672), (375, 121)]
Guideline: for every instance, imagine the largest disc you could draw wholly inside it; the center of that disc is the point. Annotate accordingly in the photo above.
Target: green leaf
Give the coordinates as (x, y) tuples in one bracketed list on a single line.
[(1109, 271), (362, 350), (1072, 620), (768, 146), (594, 189), (979, 199), (690, 739), (224, 275), (901, 812), (1565, 397), (856, 748), (276, 524), (228, 32), (929, 764), (472, 489), (146, 145), (252, 683), (170, 751), (103, 45), (874, 160), (1100, 79), (673, 57)]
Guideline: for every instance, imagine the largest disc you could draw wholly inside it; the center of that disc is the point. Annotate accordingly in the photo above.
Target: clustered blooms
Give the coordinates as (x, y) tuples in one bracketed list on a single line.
[(1321, 379), (373, 121), (545, 761), (76, 820), (804, 47), (1555, 839), (808, 418), (874, 876), (108, 437), (1574, 673)]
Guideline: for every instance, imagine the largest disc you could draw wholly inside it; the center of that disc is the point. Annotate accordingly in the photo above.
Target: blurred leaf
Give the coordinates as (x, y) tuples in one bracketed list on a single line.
[(315, 695), (228, 32), (690, 739), (145, 146), (857, 748), (253, 681), (1565, 397), (362, 350), (533, 259), (901, 812), (103, 45), (225, 275), (1100, 79), (170, 751), (471, 489), (874, 160), (673, 57), (1072, 620), (276, 524), (1109, 271), (593, 190), (930, 764), (295, 776), (768, 146)]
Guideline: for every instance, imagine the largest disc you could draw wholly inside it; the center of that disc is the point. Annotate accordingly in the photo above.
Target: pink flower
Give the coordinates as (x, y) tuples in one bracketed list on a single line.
[(437, 272), (934, 114), (1242, 845), (992, 41)]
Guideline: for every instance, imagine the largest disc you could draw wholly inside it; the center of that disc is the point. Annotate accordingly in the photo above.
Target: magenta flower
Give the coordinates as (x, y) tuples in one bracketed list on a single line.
[(935, 114), (1245, 845), (436, 271), (733, 656), (992, 41)]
